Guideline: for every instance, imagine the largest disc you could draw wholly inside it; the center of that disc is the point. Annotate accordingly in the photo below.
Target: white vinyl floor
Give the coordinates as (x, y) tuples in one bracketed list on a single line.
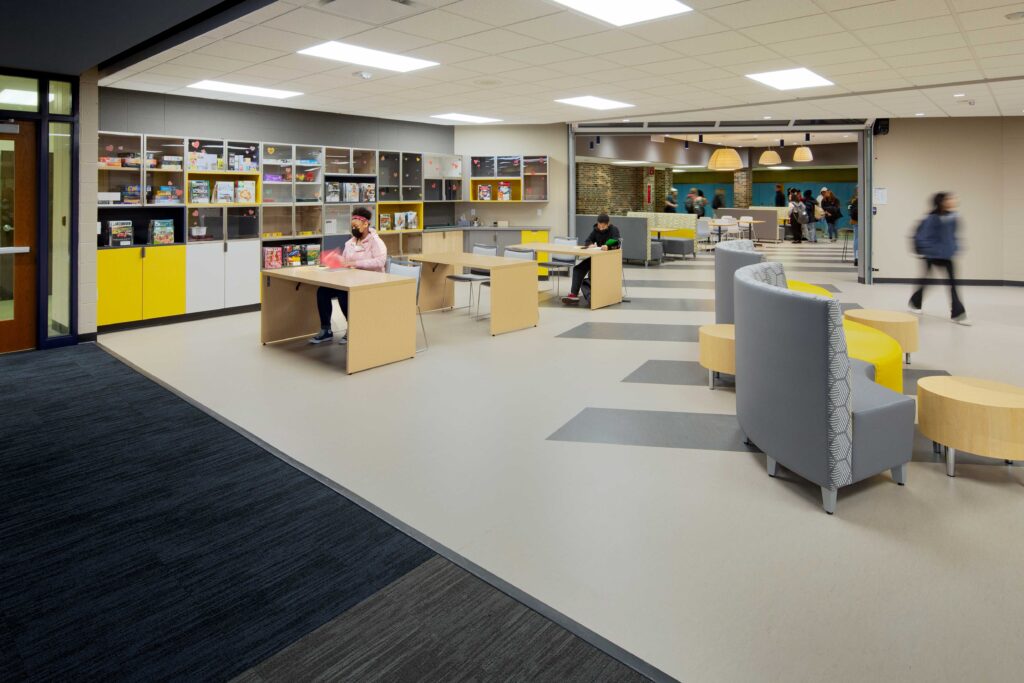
[(693, 560)]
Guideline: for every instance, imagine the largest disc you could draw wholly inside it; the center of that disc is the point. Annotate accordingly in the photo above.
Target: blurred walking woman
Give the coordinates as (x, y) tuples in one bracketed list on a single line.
[(935, 242)]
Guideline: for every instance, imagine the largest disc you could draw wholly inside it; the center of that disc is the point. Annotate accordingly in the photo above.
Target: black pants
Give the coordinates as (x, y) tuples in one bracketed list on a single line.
[(918, 296), (796, 230), (324, 304), (578, 273)]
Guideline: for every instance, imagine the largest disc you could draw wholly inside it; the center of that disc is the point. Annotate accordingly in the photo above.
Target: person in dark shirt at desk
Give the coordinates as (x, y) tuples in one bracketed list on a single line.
[(604, 235)]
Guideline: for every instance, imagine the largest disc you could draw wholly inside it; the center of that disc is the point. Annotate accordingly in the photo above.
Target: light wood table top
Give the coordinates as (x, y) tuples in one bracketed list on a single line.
[(903, 327), (567, 249), (336, 278), (979, 416), (469, 260)]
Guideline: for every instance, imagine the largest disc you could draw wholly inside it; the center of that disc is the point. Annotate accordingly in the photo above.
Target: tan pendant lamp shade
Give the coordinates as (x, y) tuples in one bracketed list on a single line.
[(803, 154), (725, 159), (770, 157)]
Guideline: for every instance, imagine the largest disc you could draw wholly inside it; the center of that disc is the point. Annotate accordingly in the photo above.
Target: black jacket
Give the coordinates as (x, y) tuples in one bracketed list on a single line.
[(780, 199), (718, 202), (600, 237)]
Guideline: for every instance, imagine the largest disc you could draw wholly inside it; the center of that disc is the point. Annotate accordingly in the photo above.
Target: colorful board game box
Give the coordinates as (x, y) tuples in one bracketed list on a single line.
[(161, 231), (272, 257)]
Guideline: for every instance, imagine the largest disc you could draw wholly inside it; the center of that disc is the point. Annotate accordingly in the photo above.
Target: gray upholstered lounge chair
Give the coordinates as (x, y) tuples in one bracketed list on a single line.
[(729, 257), (799, 397)]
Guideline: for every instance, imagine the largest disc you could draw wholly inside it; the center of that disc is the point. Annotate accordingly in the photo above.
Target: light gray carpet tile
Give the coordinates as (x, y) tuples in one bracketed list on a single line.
[(633, 332)]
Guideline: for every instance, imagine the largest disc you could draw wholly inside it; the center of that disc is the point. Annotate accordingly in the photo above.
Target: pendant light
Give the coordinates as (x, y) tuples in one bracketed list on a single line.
[(725, 159), (803, 154), (770, 157)]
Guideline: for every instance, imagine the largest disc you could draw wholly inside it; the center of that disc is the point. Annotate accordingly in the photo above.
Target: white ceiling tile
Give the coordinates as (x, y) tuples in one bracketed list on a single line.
[(780, 32), (755, 12), (445, 53), (987, 18), (376, 12), (304, 63), (1000, 34), (182, 71), (492, 64), (241, 51), (835, 70), (310, 22), (439, 25), (314, 83), (945, 67), (640, 55), (496, 41), (936, 77), (528, 75), (938, 57), (969, 5), (908, 30), (502, 12), (853, 54), (1015, 61), (686, 25), (919, 45), (388, 40), (451, 73), (145, 85), (1015, 47), (261, 36), (219, 64), (584, 65), (672, 66), (892, 12), (816, 44), (833, 5), (561, 26), (543, 54), (747, 54), (600, 43)]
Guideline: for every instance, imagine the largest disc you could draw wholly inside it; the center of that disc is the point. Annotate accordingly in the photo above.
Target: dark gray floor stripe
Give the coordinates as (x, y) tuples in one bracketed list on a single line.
[(436, 615), (695, 284), (849, 307), (800, 269), (659, 428), (633, 332), (497, 582), (678, 372), (911, 375), (650, 304)]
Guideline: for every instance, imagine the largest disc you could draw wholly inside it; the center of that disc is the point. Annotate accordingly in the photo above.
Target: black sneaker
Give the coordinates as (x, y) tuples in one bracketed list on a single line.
[(572, 299), (322, 336)]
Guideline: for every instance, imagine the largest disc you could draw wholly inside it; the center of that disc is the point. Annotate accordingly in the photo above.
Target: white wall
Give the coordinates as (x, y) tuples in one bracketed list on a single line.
[(551, 140), (88, 153), (979, 159)]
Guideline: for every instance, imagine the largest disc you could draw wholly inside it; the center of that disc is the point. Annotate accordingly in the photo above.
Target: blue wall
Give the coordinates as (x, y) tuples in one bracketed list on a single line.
[(764, 194), (709, 193)]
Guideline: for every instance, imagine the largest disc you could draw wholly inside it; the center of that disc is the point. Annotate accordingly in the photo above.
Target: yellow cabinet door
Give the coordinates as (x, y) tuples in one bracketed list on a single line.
[(118, 285), (537, 236), (163, 282)]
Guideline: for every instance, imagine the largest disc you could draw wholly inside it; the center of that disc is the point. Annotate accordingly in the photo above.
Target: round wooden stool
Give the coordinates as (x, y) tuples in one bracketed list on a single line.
[(717, 350), (900, 326)]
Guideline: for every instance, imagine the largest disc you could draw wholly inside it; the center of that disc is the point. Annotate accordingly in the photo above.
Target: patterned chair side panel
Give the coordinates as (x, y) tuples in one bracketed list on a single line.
[(840, 401)]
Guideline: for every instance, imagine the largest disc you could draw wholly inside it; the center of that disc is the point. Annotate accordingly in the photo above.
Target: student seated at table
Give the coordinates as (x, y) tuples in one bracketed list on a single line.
[(604, 235), (365, 251)]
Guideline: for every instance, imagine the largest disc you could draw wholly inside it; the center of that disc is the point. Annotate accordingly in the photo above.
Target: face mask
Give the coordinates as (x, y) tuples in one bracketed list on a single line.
[(357, 233)]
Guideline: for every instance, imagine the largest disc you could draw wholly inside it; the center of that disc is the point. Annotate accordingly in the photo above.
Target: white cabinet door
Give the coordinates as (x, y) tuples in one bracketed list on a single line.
[(242, 273), (204, 277)]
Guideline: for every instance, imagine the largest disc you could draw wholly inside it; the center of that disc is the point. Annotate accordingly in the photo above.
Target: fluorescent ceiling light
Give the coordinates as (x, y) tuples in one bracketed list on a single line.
[(465, 118), (22, 97), (920, 113), (239, 89), (592, 102), (960, 94), (766, 118), (780, 168), (364, 56), (620, 13), (633, 163), (790, 79)]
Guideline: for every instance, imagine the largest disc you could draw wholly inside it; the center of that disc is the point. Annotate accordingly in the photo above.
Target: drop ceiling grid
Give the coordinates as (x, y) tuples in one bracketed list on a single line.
[(697, 60)]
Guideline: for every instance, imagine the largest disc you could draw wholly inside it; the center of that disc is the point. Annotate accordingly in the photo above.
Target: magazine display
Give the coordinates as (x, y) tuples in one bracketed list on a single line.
[(245, 192), (199, 192), (225, 192), (483, 193), (272, 257), (161, 231), (121, 233)]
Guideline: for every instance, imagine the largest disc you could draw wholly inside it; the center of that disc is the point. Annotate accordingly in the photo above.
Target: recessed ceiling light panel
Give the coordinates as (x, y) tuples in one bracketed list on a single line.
[(465, 118), (591, 102), (239, 89), (364, 56), (626, 12), (791, 79)]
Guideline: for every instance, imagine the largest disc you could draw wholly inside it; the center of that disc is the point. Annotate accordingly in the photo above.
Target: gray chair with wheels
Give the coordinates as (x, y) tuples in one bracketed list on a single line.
[(475, 275), (525, 254), (413, 270), (799, 397), (560, 263)]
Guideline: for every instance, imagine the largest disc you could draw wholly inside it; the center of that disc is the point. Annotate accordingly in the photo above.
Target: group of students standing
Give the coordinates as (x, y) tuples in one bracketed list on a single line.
[(805, 211), (695, 202)]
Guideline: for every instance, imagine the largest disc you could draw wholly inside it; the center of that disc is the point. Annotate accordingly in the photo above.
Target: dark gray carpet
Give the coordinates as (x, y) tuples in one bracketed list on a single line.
[(911, 375), (676, 372), (634, 332), (142, 540), (663, 428), (439, 623)]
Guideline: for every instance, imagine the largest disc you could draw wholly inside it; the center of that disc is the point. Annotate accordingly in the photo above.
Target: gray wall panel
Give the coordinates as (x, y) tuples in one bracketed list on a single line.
[(141, 112)]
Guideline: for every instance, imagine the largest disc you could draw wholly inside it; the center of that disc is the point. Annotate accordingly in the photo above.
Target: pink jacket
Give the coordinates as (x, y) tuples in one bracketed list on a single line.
[(370, 253)]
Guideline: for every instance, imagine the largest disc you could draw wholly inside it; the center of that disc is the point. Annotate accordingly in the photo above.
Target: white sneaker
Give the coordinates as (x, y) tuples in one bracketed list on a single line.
[(962, 320), (912, 309), (344, 339)]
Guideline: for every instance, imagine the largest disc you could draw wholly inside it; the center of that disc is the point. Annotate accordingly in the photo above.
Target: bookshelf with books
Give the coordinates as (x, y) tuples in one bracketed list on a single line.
[(308, 174), (442, 178), (508, 179), (389, 177), (119, 169), (277, 167), (164, 170), (350, 178), (139, 227), (399, 216)]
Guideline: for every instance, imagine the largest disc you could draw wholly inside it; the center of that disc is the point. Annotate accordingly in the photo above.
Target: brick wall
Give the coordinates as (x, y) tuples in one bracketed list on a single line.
[(609, 189), (742, 188), (662, 186)]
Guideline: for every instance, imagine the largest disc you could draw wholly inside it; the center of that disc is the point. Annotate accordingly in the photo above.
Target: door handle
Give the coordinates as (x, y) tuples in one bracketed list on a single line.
[(14, 250)]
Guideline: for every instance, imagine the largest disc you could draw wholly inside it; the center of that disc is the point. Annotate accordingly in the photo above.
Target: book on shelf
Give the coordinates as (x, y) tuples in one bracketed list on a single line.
[(293, 255), (412, 220), (351, 192), (171, 162), (109, 161), (108, 198), (400, 217), (504, 191), (311, 254), (483, 192), (199, 192), (203, 161), (333, 193), (165, 194), (272, 257), (130, 160), (122, 233), (367, 192), (385, 221), (131, 194), (242, 162), (224, 192), (245, 191), (161, 231), (151, 160)]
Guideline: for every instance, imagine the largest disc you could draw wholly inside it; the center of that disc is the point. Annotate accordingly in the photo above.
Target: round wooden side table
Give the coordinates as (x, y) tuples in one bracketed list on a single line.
[(903, 327), (974, 415), (717, 350)]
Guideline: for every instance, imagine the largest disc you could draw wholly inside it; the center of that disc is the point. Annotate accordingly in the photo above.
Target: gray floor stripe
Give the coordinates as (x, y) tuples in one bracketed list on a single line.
[(677, 372), (911, 375), (659, 428), (849, 307), (634, 332), (696, 284), (805, 269), (434, 616), (651, 304)]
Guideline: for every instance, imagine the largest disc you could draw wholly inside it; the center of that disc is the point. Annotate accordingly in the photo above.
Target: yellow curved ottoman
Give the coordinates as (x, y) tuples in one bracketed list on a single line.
[(808, 288), (871, 346)]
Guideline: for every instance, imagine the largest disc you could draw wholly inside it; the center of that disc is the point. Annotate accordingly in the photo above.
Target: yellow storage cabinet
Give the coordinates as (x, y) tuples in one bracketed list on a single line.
[(537, 236), (163, 282), (118, 285)]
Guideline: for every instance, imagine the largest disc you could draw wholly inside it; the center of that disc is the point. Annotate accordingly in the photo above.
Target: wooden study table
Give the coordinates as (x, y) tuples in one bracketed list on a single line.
[(381, 311), (605, 270), (513, 286)]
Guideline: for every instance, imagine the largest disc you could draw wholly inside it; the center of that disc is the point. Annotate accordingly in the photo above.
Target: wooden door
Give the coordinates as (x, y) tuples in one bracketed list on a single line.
[(18, 230)]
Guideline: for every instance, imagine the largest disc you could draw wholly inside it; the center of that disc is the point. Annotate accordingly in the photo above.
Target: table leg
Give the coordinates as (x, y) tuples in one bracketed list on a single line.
[(950, 462), (605, 279), (711, 380), (381, 326), (288, 310), (936, 448), (436, 290), (514, 298), (908, 359)]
